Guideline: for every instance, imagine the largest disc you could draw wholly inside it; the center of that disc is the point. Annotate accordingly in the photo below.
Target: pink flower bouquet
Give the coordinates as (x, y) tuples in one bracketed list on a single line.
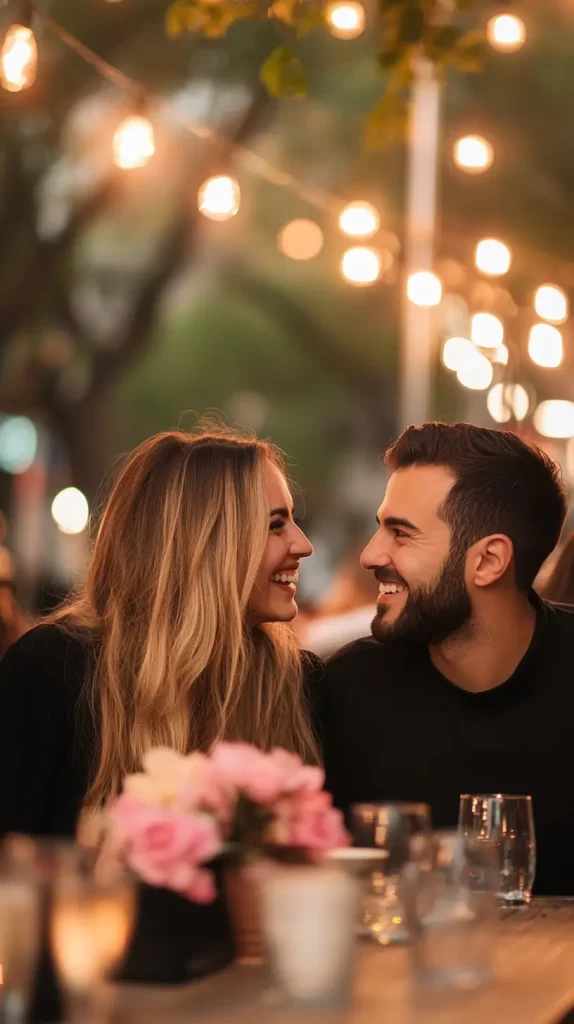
[(181, 812)]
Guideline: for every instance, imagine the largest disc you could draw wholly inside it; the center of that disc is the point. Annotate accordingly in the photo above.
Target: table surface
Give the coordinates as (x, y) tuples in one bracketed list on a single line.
[(533, 984)]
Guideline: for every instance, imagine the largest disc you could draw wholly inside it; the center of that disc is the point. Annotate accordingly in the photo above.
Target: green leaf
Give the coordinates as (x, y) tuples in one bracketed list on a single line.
[(387, 122), (283, 75)]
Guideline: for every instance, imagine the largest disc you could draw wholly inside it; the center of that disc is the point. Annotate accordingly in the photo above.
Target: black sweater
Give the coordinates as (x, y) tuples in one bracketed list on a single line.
[(48, 740), (396, 729)]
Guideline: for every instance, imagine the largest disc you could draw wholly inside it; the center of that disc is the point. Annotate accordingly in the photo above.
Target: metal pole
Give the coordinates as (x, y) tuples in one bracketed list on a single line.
[(419, 336)]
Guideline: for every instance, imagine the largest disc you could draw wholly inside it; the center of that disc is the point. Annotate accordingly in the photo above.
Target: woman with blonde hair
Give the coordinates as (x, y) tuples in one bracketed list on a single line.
[(179, 636)]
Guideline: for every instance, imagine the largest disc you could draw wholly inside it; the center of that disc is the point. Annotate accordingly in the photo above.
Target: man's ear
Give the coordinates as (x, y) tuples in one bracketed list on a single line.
[(489, 559)]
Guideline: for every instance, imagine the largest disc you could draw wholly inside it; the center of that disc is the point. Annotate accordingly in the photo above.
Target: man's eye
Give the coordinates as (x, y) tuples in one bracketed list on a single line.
[(400, 533)]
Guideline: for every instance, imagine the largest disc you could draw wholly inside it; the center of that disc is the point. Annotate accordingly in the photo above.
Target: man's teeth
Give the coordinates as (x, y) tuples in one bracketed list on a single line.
[(391, 588), (284, 577)]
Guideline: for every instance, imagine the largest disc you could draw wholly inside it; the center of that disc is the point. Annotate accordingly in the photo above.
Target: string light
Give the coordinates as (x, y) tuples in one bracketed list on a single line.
[(456, 351), (486, 330), (346, 19), (473, 154), (506, 33), (500, 355), (300, 239), (18, 444), (133, 142), (424, 288), (18, 59), (492, 257), (551, 303), (545, 346), (219, 197), (359, 220), (507, 401), (555, 418), (476, 372), (70, 511), (361, 266)]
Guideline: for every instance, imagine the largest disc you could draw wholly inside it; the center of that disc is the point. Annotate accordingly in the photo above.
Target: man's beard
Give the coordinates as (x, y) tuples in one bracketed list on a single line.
[(432, 613)]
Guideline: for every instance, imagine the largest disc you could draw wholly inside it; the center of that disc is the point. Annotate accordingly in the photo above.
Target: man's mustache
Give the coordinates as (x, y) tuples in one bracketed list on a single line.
[(384, 576)]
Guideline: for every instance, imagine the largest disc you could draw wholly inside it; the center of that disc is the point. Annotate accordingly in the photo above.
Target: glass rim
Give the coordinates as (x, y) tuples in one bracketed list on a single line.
[(400, 805), (495, 796)]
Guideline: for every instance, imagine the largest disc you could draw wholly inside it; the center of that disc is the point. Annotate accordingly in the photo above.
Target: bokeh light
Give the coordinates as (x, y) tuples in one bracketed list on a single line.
[(475, 372), (424, 288), (18, 59), (555, 418), (486, 330), (346, 19), (500, 355), (551, 303), (361, 265), (492, 257), (219, 197), (506, 33), (133, 143), (18, 444), (507, 401), (545, 345), (70, 511), (473, 154), (359, 220), (300, 239), (456, 351)]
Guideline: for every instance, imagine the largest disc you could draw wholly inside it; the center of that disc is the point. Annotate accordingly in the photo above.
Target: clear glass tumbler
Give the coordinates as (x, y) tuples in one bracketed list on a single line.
[(402, 831), (508, 822), (19, 928), (451, 910)]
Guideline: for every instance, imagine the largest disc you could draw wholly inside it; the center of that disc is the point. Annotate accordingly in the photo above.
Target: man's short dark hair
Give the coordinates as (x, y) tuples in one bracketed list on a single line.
[(502, 485)]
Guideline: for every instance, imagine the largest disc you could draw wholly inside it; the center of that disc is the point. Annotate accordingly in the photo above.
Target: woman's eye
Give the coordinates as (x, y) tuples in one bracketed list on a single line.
[(277, 524)]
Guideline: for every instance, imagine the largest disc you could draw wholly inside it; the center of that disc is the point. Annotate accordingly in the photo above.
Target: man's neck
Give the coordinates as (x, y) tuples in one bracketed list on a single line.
[(488, 651)]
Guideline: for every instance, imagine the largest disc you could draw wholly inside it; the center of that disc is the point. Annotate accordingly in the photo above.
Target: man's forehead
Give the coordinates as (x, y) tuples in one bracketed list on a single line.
[(416, 493)]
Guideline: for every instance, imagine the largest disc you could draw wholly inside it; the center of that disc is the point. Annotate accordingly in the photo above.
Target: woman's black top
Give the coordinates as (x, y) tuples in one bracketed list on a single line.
[(48, 739)]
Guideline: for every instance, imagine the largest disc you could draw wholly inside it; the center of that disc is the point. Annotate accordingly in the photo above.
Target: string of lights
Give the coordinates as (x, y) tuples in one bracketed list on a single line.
[(473, 356)]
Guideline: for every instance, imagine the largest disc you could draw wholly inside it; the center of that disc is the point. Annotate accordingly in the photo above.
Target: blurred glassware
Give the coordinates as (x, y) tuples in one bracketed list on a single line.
[(91, 922), (451, 910), (403, 832), (508, 823), (19, 928), (309, 917)]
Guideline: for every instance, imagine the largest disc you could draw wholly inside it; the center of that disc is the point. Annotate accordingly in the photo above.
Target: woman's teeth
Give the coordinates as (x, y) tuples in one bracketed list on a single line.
[(391, 588), (283, 577)]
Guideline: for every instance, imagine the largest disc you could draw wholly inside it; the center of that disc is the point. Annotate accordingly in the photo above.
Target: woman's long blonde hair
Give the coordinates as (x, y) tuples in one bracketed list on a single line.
[(166, 600)]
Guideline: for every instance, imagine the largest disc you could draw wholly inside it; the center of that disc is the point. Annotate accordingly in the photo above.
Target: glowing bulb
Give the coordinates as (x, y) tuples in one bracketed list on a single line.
[(455, 351), (473, 154), (486, 330), (18, 444), (500, 355), (133, 143), (361, 266), (359, 220), (424, 288), (18, 59), (507, 401), (551, 303), (300, 239), (506, 32), (70, 511), (475, 372), (346, 19), (219, 197), (492, 257), (555, 419), (545, 345)]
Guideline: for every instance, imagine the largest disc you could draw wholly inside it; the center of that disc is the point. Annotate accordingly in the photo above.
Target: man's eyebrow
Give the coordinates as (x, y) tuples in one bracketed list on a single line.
[(405, 524)]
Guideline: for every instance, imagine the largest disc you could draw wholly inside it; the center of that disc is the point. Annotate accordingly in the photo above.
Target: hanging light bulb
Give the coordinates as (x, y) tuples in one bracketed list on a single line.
[(455, 351), (506, 33), (486, 330), (424, 289), (359, 220), (551, 303), (18, 59), (133, 143), (545, 346), (555, 419), (219, 197), (361, 265), (300, 239), (346, 19), (492, 257), (473, 154), (475, 372), (507, 401)]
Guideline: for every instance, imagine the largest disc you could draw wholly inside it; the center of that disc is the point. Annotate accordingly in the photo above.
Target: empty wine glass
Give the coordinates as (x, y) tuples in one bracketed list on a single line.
[(91, 922), (508, 822)]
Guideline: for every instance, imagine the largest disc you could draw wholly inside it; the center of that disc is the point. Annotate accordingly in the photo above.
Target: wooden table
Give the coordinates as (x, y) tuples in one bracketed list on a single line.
[(533, 984)]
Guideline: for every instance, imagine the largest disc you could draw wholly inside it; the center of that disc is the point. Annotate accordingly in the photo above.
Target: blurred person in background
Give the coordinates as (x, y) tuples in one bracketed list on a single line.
[(466, 683), (346, 613), (559, 588), (179, 637)]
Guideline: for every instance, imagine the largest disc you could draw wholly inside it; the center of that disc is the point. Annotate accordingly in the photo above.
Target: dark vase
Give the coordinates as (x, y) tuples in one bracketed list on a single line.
[(176, 941)]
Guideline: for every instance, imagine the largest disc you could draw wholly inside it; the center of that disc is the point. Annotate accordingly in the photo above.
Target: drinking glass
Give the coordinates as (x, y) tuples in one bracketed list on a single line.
[(91, 921), (309, 916), (451, 910), (402, 831), (508, 822), (19, 929)]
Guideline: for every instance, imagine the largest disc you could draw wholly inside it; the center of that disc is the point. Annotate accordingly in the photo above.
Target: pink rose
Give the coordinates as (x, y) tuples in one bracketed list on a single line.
[(309, 820), (165, 847), (264, 778)]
